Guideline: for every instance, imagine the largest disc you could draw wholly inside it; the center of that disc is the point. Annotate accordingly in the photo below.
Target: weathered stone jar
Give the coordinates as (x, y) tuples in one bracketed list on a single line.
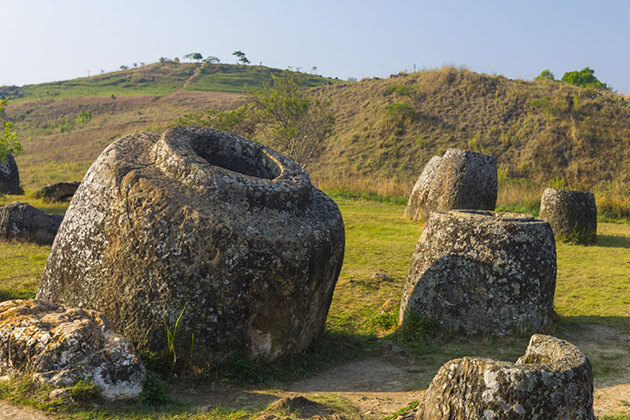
[(482, 272), (199, 219), (571, 214), (460, 179), (9, 176), (24, 222), (553, 380)]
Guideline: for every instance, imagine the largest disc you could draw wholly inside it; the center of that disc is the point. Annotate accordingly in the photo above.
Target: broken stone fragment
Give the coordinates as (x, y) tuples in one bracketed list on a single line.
[(200, 219), (553, 380), (482, 272), (62, 345)]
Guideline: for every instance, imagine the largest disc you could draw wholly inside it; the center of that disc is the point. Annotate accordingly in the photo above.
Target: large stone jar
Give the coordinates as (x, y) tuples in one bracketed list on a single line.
[(571, 214), (200, 219), (460, 179), (482, 272), (553, 380)]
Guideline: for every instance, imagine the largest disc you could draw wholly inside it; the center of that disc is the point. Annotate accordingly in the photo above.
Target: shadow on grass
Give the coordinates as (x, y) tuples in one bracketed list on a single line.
[(608, 241), (16, 294)]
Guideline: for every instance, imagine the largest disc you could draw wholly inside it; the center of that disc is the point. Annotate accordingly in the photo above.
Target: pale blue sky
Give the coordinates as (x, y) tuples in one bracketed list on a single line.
[(63, 39)]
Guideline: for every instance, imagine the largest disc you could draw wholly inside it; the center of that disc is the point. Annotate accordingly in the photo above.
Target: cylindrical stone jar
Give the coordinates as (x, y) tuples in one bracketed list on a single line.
[(482, 272), (571, 214), (553, 380), (196, 220)]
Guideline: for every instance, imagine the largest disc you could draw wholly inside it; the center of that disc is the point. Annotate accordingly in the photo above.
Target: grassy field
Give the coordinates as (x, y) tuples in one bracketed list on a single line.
[(592, 303)]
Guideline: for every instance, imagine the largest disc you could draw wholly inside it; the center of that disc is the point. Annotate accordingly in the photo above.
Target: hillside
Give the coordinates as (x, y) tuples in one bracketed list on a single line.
[(386, 129), (157, 79)]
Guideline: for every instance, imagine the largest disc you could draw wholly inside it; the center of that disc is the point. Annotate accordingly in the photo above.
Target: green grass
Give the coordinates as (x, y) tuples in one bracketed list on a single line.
[(592, 302)]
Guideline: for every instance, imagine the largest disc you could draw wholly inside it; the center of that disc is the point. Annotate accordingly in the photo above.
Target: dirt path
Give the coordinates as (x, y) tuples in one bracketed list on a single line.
[(8, 411), (374, 387), (370, 389)]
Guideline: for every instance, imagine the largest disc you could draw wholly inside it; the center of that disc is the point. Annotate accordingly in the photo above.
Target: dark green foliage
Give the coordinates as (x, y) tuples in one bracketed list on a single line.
[(385, 321), (585, 78), (399, 89), (84, 392), (240, 55), (154, 390), (416, 328), (545, 75), (238, 121), (9, 143), (398, 111), (291, 120)]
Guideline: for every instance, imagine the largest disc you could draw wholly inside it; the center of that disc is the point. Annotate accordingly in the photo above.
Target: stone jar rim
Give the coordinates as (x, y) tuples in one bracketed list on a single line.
[(496, 216), (232, 169)]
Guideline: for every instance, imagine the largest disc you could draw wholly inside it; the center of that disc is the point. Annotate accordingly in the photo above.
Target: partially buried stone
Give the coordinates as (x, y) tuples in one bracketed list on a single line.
[(482, 272), (9, 176), (553, 380), (59, 192), (61, 345), (199, 221), (571, 214), (24, 222)]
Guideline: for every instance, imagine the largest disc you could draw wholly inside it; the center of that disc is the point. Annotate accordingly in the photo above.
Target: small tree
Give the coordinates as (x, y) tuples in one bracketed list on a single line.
[(292, 121), (163, 59), (212, 60), (123, 67), (9, 143), (545, 75), (240, 55), (585, 78)]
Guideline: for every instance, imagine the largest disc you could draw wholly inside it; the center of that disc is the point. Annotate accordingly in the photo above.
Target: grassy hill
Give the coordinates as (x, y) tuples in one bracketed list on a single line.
[(157, 79), (541, 132)]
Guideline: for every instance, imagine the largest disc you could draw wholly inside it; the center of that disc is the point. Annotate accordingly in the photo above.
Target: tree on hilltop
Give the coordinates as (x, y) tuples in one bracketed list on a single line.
[(9, 143), (585, 78), (545, 75), (240, 55), (212, 59), (194, 56)]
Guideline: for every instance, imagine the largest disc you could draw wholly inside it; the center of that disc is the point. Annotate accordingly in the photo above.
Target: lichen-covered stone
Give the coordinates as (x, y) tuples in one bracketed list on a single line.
[(197, 218), (420, 193), (553, 380), (458, 180), (9, 176), (62, 345), (482, 272), (24, 222), (571, 214), (59, 192)]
